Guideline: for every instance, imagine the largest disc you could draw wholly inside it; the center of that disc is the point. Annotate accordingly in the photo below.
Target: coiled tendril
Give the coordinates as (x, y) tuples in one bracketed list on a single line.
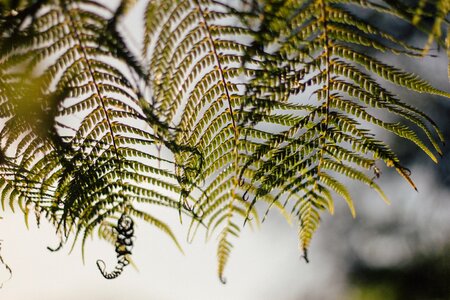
[(124, 244)]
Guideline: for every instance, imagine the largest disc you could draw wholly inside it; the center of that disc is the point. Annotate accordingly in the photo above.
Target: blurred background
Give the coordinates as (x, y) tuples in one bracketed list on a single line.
[(395, 252)]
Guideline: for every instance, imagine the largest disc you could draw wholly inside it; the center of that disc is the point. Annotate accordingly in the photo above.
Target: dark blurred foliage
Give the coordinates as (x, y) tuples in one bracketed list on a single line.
[(424, 273), (424, 277)]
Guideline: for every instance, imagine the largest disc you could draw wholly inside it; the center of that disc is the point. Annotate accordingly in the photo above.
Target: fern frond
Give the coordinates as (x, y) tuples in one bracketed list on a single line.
[(231, 106), (78, 136), (320, 58), (195, 54)]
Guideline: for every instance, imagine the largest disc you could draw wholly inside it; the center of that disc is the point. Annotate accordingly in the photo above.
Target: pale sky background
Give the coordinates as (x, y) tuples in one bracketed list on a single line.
[(265, 264)]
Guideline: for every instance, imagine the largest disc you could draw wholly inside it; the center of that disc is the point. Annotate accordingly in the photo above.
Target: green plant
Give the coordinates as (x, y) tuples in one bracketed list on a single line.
[(260, 101)]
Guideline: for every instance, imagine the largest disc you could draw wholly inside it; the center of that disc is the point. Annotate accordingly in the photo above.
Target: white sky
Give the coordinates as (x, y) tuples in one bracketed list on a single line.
[(265, 264)]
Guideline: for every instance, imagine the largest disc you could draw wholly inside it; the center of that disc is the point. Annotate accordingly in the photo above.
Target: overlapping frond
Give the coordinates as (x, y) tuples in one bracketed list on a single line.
[(326, 59), (79, 144), (196, 52)]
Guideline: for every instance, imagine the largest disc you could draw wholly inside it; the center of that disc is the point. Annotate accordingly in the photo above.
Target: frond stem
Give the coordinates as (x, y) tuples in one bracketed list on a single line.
[(219, 65), (74, 29), (227, 93), (223, 237), (323, 18)]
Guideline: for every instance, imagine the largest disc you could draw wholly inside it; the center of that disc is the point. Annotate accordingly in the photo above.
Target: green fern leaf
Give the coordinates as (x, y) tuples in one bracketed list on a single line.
[(321, 51), (82, 145), (196, 75)]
